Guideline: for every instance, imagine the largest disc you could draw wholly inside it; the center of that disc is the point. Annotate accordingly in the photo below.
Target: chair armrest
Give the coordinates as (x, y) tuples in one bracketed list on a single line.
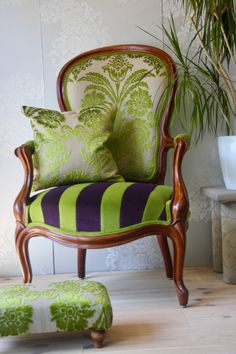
[(24, 153), (179, 202), (185, 137)]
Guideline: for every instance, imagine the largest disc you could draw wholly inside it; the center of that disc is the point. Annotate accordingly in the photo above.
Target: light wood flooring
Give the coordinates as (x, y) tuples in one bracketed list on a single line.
[(147, 317)]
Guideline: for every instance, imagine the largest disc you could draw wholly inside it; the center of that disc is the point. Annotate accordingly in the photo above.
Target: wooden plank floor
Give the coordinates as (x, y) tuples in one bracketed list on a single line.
[(147, 318)]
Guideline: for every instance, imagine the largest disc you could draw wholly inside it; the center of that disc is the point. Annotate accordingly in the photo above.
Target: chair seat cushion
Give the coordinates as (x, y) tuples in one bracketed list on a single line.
[(71, 305), (100, 208)]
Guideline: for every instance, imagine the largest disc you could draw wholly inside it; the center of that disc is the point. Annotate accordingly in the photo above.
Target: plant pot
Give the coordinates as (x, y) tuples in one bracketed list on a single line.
[(227, 153)]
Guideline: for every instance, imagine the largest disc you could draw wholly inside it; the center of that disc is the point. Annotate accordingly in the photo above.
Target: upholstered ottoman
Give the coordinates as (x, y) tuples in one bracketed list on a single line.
[(57, 306)]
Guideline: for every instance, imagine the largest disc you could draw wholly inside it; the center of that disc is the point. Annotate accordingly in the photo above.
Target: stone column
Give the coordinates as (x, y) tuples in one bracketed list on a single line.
[(216, 236), (223, 202), (228, 224)]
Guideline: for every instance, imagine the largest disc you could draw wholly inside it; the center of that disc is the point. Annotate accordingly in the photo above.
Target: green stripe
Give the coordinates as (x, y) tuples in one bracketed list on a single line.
[(35, 211), (102, 233), (156, 202), (67, 206), (27, 214), (110, 206)]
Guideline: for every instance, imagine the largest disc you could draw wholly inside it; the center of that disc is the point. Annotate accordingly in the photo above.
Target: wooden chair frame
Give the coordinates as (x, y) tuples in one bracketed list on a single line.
[(179, 205)]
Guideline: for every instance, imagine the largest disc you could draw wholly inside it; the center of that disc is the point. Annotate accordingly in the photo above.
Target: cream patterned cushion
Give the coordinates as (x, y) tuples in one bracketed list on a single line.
[(70, 147)]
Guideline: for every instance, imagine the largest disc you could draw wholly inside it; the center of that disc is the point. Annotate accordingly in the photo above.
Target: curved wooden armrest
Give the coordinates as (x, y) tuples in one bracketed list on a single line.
[(24, 153), (179, 202)]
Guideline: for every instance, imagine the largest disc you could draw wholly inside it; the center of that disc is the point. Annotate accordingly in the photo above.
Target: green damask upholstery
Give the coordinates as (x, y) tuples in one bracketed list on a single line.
[(70, 147), (93, 209), (134, 84), (58, 306)]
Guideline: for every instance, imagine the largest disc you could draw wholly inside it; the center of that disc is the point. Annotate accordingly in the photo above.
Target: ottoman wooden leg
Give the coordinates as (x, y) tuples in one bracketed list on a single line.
[(98, 338)]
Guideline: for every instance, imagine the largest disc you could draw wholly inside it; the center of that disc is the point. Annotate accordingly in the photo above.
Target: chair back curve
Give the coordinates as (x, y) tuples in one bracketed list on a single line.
[(136, 85)]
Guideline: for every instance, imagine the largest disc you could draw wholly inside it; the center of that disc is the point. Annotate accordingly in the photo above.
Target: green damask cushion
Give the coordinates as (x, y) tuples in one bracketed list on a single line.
[(70, 147), (135, 84), (57, 306), (94, 209)]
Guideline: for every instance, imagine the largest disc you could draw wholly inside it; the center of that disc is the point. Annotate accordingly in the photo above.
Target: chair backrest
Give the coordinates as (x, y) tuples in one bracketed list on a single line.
[(133, 82)]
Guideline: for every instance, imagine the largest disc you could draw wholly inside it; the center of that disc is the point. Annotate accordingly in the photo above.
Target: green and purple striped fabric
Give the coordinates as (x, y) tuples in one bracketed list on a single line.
[(100, 208)]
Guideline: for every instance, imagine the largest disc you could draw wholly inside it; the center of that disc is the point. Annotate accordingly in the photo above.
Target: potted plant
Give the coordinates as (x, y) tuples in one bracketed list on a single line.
[(206, 94)]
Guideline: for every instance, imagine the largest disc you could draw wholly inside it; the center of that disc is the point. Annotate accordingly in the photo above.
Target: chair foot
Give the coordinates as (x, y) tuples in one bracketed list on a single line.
[(182, 293), (98, 338)]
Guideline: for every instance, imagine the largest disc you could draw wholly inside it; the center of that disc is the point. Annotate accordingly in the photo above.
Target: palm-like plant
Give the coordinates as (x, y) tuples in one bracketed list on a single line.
[(206, 90)]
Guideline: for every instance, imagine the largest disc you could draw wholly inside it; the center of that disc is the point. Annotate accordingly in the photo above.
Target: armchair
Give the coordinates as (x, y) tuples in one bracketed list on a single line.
[(135, 80)]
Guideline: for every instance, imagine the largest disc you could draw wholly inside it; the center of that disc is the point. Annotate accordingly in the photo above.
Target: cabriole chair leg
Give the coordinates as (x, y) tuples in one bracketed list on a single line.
[(179, 253), (23, 255), (81, 262), (164, 247)]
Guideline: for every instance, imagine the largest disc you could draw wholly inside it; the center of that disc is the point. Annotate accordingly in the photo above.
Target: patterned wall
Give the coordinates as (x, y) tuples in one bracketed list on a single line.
[(45, 34)]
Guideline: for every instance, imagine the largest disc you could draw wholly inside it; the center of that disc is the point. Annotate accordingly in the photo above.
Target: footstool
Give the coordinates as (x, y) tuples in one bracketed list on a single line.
[(73, 305)]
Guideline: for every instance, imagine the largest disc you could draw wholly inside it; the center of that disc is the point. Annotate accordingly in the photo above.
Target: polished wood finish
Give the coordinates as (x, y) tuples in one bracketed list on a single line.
[(164, 247), (98, 338), (24, 153), (176, 231), (81, 262)]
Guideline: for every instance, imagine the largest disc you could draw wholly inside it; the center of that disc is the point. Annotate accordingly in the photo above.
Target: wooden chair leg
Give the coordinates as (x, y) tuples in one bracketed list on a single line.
[(179, 243), (98, 338), (23, 255), (164, 247), (81, 262)]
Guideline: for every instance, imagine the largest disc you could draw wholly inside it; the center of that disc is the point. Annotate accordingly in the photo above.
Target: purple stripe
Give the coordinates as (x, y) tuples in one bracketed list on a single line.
[(88, 207), (163, 215), (50, 206), (133, 203)]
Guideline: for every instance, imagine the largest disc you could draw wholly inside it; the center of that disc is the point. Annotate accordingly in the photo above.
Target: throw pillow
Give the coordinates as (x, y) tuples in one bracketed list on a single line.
[(70, 146)]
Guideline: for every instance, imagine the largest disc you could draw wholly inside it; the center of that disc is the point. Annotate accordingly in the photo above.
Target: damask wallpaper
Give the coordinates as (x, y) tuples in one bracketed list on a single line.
[(37, 38)]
